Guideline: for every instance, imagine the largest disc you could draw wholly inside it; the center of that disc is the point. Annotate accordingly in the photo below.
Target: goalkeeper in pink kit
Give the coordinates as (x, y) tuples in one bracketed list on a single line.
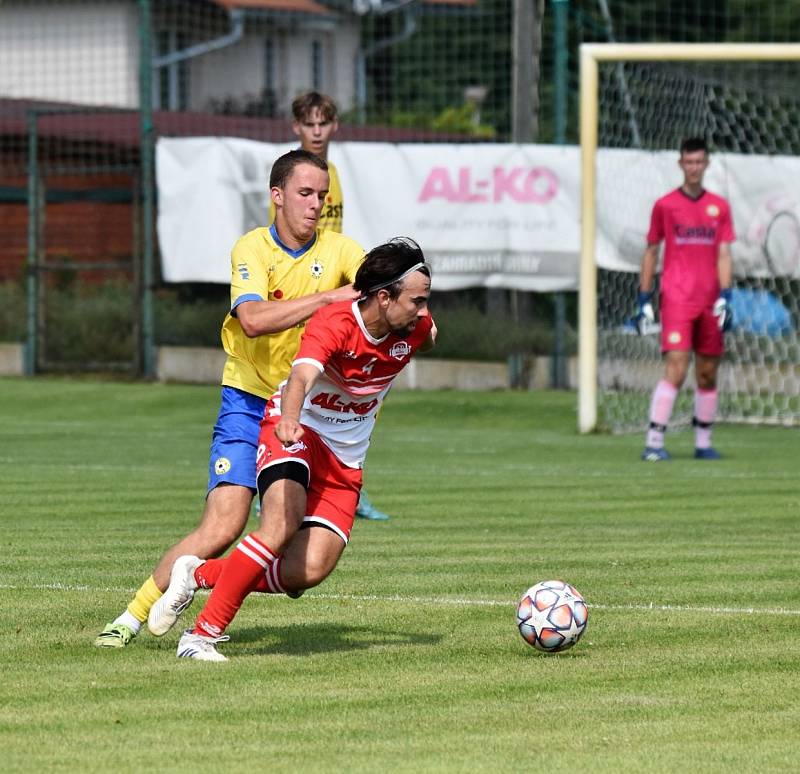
[(695, 300)]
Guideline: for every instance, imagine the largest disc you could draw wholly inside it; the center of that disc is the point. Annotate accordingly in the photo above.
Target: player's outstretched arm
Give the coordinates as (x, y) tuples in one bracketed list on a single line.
[(260, 317), (301, 380)]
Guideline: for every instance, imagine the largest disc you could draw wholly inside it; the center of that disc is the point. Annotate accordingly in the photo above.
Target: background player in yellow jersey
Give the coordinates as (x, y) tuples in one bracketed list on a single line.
[(315, 122), (280, 276)]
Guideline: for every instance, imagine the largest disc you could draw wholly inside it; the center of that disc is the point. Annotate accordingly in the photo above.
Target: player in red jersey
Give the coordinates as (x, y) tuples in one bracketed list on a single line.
[(314, 439), (696, 228)]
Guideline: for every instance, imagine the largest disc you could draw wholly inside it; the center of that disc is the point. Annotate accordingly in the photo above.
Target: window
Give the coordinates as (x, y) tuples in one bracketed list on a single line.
[(316, 65), (172, 84), (269, 65)]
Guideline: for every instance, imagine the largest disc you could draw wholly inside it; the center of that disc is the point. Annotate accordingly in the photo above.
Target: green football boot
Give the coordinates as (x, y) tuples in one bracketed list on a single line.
[(115, 635)]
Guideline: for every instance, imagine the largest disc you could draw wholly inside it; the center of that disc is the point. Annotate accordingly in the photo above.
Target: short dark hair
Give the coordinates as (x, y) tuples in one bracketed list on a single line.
[(385, 266), (693, 144), (284, 166), (305, 103)]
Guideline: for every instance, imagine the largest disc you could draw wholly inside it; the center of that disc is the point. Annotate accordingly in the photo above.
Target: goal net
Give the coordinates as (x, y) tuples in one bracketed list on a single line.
[(747, 107)]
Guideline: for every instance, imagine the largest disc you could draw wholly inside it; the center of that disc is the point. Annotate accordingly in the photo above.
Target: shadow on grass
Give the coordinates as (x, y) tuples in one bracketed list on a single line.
[(311, 638)]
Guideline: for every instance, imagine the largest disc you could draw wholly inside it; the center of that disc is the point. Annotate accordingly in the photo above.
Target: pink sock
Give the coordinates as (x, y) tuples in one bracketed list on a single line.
[(705, 411), (660, 411)]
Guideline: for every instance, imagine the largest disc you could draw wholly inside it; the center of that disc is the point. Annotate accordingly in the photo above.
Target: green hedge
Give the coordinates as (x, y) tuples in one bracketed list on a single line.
[(12, 311), (466, 333), (97, 322)]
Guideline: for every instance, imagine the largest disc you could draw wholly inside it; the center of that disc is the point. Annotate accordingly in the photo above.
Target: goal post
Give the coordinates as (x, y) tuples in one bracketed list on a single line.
[(592, 57)]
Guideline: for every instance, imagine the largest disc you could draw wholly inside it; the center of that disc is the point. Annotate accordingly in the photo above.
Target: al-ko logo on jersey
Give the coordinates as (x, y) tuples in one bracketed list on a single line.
[(332, 402), (527, 185)]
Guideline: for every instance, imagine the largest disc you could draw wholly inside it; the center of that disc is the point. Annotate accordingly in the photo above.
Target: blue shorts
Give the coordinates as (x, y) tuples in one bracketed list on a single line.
[(234, 441)]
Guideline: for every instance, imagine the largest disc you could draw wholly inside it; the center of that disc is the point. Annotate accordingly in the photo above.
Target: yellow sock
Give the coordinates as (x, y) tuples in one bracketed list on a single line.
[(145, 598)]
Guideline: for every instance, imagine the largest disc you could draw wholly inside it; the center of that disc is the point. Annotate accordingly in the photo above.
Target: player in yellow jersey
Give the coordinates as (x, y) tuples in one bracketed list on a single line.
[(315, 122), (280, 276)]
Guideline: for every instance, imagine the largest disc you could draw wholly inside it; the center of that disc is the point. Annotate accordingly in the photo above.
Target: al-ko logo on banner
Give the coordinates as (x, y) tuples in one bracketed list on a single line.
[(527, 185)]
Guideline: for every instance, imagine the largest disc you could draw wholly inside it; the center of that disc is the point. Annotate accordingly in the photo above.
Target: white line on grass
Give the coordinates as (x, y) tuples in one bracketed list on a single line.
[(652, 606)]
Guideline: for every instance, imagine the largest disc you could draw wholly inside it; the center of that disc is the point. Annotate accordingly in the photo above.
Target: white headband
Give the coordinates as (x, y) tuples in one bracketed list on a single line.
[(415, 267)]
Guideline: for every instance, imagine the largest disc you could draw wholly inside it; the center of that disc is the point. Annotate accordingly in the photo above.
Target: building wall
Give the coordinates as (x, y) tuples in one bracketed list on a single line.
[(342, 73), (13, 233), (81, 52), (235, 71), (75, 230), (338, 70), (239, 71), (87, 53)]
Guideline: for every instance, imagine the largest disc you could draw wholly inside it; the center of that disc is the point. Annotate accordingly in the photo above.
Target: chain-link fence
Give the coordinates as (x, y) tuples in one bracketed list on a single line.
[(87, 87)]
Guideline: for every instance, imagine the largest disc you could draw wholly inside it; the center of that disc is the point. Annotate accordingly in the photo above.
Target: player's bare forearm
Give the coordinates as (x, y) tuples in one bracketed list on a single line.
[(647, 274), (725, 265), (263, 317), (301, 379)]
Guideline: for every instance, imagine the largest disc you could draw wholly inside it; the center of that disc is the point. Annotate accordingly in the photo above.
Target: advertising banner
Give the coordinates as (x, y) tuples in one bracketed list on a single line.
[(486, 215)]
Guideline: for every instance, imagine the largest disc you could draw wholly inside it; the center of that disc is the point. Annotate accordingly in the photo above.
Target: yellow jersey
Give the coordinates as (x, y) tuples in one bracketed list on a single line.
[(332, 215), (263, 269)]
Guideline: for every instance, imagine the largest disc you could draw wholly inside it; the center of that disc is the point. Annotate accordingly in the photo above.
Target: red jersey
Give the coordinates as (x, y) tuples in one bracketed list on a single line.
[(357, 372), (692, 230)]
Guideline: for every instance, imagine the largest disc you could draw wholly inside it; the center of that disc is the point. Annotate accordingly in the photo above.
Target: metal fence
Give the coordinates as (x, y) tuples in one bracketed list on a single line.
[(86, 87)]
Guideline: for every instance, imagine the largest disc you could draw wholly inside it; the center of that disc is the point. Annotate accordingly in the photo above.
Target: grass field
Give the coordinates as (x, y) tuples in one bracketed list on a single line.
[(407, 659)]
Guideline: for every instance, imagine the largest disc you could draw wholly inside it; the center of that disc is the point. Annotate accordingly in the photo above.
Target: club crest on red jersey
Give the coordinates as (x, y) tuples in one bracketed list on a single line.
[(712, 211), (400, 350)]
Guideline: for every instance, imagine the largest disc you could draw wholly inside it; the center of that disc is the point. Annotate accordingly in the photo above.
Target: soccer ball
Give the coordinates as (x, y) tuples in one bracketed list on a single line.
[(552, 616)]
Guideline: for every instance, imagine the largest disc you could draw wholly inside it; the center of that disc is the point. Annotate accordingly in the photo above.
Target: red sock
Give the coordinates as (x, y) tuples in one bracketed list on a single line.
[(240, 574), (270, 581), (207, 576)]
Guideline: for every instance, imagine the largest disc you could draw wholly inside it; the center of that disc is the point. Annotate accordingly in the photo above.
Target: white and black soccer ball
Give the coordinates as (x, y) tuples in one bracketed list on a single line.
[(552, 616)]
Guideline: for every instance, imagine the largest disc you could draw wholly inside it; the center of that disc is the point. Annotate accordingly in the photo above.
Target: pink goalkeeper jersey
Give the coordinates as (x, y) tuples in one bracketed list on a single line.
[(692, 230), (357, 372)]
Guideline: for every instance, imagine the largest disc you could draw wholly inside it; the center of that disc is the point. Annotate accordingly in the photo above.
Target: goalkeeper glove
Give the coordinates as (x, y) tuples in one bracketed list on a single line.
[(723, 309), (644, 315)]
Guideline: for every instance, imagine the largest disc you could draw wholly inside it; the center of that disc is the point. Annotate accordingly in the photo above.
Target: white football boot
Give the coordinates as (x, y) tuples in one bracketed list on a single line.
[(177, 597), (201, 648)]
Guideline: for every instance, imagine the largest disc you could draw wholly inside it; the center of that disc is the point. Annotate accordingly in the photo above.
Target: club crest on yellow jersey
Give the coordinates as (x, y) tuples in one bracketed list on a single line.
[(316, 269)]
